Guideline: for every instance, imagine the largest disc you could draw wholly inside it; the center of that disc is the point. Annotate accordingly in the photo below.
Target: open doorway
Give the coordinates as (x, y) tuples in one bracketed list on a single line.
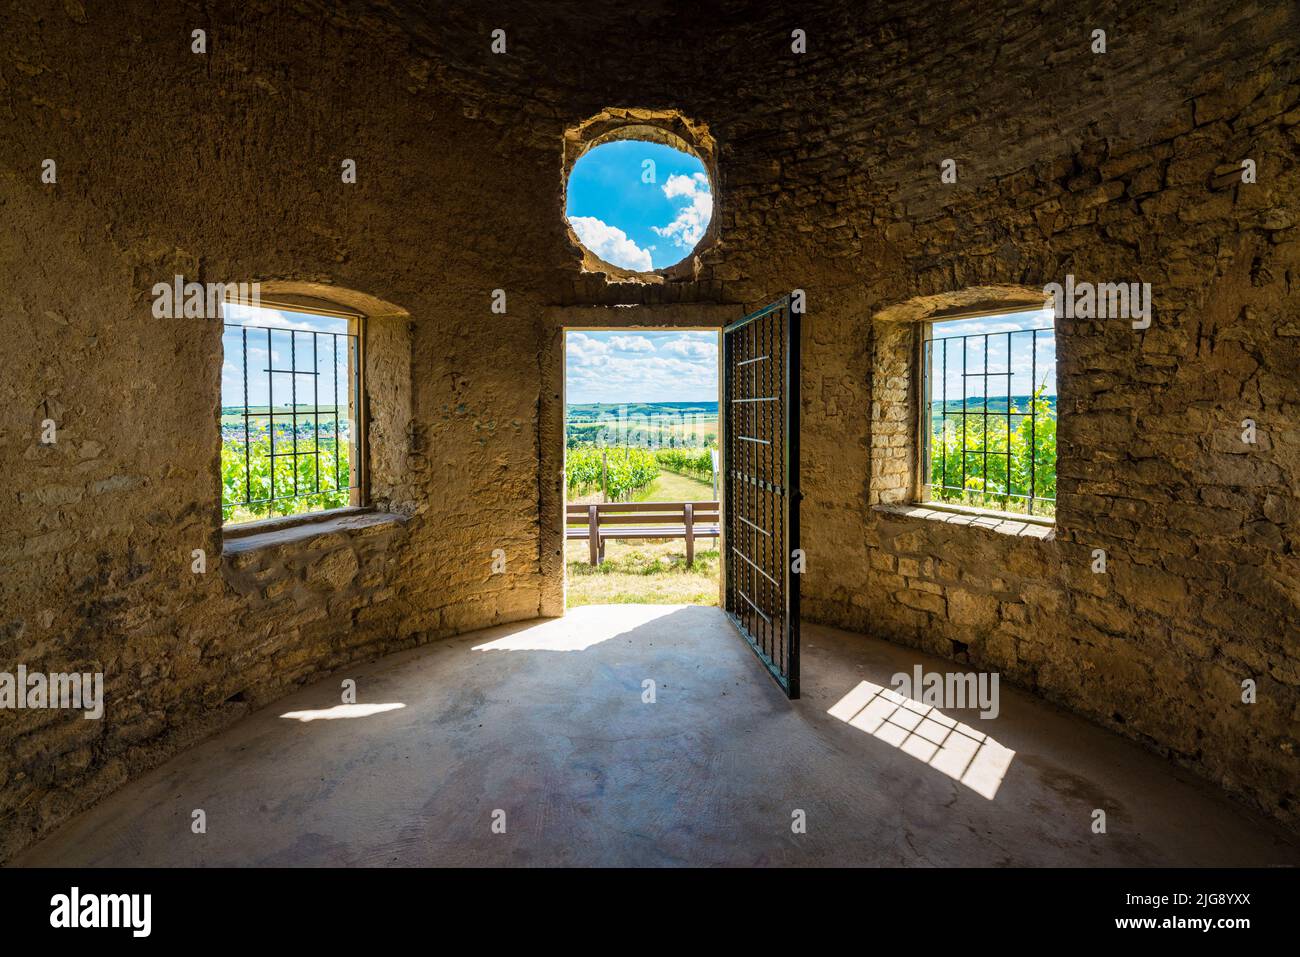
[(641, 466)]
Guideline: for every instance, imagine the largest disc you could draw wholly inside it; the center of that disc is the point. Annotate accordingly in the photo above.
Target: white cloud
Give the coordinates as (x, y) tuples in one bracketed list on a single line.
[(647, 379), (584, 351), (680, 184), (239, 313), (627, 368), (691, 348), (1014, 322), (692, 220), (632, 344), (587, 343), (611, 244)]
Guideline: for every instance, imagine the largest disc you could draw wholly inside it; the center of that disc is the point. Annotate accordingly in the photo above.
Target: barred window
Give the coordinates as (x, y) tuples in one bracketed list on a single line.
[(989, 411), (291, 384)]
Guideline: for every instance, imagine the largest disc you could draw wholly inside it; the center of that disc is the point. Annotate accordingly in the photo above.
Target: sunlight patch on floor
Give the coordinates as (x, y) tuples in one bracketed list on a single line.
[(580, 628), (958, 750), (342, 711)]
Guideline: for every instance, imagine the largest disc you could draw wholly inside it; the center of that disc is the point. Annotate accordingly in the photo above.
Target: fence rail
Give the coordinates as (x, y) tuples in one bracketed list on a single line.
[(601, 522)]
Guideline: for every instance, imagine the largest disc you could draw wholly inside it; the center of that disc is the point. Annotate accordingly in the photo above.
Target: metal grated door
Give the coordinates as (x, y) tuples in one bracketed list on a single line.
[(760, 450)]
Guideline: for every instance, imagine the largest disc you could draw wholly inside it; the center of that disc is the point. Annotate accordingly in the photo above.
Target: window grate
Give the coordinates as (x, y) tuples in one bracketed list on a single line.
[(283, 459), (989, 457)]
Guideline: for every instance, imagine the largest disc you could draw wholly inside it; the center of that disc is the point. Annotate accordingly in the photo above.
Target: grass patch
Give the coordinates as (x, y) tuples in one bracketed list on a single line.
[(667, 487), (652, 573), (674, 487)]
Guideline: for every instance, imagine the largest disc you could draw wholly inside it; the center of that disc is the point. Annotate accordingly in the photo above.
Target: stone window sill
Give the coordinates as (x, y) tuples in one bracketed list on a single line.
[(1002, 525), (273, 532)]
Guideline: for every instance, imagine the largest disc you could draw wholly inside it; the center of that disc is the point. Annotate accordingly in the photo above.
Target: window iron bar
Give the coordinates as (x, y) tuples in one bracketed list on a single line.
[(954, 488), (270, 406), (1031, 401), (336, 418), (945, 408), (963, 413), (300, 419), (984, 412), (315, 401), (290, 498), (293, 392), (248, 445), (985, 403), (1033, 443)]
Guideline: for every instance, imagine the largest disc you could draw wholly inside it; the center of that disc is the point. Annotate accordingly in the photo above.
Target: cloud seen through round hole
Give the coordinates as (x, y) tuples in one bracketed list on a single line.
[(641, 206)]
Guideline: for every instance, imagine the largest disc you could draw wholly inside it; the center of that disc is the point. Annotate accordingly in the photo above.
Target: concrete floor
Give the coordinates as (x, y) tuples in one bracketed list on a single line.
[(545, 721)]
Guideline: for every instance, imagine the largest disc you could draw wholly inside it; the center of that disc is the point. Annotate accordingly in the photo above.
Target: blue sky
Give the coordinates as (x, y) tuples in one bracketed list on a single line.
[(1021, 383), (632, 223), (641, 366)]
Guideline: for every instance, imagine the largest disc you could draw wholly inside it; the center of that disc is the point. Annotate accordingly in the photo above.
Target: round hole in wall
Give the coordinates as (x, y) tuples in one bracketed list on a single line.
[(639, 193), (639, 206)]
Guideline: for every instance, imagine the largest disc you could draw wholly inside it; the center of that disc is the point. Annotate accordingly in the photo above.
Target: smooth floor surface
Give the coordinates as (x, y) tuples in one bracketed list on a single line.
[(542, 727)]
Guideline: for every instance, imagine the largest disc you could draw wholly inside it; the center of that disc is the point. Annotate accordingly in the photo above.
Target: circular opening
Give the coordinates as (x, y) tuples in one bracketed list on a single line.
[(639, 205)]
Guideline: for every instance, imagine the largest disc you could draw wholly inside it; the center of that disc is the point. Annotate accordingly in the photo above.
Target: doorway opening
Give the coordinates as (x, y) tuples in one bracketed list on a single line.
[(641, 466)]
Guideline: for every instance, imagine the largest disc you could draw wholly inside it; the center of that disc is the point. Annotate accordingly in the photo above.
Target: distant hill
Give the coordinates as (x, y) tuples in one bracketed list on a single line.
[(996, 404), (647, 424), (586, 412)]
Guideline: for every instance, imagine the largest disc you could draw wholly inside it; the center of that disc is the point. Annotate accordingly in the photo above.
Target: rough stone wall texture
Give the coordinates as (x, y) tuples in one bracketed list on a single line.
[(1108, 169), (226, 167)]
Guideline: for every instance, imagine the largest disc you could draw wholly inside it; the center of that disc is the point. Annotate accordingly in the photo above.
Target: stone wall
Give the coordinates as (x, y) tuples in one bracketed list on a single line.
[(1131, 174), (225, 167)]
